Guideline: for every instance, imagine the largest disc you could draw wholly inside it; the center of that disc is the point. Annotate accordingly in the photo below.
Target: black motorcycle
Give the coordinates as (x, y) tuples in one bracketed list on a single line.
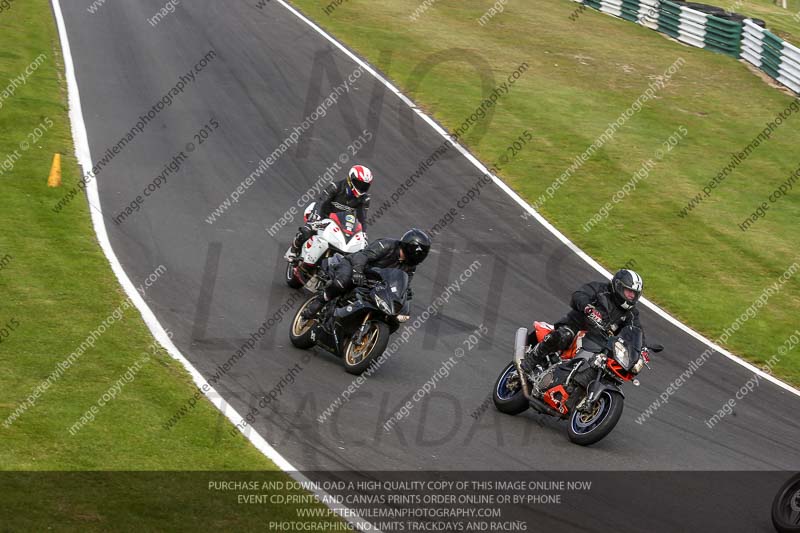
[(581, 384), (786, 507), (357, 326)]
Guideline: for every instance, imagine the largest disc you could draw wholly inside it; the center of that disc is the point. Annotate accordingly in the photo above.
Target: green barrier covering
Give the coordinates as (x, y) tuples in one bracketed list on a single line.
[(716, 34), (669, 23)]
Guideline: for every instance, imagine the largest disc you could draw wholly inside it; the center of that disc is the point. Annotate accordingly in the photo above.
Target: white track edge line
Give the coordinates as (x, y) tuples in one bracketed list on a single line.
[(83, 155), (560, 236)]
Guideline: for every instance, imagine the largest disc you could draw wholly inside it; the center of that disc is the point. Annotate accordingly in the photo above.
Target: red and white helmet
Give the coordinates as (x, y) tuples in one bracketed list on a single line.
[(358, 180)]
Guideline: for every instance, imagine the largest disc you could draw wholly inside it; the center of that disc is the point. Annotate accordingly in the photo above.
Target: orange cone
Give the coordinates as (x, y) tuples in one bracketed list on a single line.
[(54, 179)]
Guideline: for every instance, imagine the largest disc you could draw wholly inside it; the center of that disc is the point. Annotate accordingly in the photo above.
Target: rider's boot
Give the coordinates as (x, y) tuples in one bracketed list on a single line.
[(314, 307), (534, 358), (294, 249)]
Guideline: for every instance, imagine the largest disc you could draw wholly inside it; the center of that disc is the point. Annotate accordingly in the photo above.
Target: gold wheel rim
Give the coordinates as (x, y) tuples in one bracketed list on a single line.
[(357, 353), (588, 417), (300, 325)]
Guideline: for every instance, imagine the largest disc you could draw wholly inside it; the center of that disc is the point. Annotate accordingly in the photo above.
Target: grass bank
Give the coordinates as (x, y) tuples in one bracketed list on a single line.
[(585, 74)]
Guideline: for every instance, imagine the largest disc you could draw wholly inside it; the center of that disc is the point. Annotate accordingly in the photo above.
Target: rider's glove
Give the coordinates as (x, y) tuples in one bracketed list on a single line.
[(306, 232), (359, 278), (593, 314)]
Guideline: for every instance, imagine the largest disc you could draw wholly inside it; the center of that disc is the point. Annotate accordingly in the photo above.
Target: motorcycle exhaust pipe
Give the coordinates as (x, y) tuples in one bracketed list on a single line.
[(520, 343), (543, 408)]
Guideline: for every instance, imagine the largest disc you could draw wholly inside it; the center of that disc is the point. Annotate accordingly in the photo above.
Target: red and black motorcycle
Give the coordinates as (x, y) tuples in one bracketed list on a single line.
[(581, 384)]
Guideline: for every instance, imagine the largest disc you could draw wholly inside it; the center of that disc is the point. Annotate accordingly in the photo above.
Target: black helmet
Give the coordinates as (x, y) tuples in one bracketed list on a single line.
[(630, 280), (415, 244)]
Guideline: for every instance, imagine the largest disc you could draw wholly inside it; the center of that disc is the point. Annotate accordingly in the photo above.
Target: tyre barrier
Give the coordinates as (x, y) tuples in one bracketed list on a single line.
[(765, 50), (713, 28)]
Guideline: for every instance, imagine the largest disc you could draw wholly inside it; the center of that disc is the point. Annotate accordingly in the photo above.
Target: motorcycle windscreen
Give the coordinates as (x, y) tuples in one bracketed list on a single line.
[(394, 287), (632, 336), (347, 223)]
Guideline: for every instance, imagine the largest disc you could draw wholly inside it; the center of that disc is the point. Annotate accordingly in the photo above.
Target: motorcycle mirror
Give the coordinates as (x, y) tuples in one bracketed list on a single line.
[(656, 348)]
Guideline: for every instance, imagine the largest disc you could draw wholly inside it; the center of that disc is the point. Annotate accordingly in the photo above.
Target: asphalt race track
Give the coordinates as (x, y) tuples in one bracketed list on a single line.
[(269, 72)]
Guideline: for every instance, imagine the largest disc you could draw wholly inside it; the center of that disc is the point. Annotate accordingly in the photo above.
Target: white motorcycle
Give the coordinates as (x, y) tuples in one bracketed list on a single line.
[(339, 233)]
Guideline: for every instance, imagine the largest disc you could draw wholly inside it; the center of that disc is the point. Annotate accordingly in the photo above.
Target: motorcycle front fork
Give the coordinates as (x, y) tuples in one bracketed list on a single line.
[(586, 405), (358, 336)]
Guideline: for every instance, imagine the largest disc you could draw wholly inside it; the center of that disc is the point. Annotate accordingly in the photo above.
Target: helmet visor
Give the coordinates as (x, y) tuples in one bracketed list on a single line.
[(415, 253), (360, 186), (629, 294)]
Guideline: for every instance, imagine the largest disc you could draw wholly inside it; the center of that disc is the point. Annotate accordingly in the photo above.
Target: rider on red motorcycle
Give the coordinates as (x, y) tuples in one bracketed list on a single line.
[(612, 304), (349, 196)]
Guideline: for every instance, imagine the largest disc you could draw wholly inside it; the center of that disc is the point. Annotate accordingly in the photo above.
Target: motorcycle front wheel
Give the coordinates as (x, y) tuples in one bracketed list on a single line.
[(508, 396), (300, 332), (786, 507), (586, 428), (291, 279), (358, 357)]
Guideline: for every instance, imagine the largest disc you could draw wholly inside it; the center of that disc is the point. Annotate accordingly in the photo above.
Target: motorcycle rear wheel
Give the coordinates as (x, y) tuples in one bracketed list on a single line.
[(588, 428), (300, 332), (508, 398), (786, 507), (357, 358)]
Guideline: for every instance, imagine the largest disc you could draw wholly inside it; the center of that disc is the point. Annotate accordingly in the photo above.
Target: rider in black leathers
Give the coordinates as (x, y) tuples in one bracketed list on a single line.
[(349, 196), (405, 254), (612, 304)]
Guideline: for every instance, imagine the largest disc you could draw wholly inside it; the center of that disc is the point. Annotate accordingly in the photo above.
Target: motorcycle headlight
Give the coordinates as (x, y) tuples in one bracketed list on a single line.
[(383, 306), (621, 354)]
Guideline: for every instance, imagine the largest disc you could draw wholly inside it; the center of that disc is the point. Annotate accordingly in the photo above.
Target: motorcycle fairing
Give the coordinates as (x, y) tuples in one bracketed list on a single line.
[(350, 226), (556, 397), (542, 329), (346, 237), (351, 311)]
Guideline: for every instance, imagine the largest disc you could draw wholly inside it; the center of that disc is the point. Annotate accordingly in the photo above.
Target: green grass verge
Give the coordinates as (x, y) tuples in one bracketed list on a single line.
[(57, 287), (584, 74)]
